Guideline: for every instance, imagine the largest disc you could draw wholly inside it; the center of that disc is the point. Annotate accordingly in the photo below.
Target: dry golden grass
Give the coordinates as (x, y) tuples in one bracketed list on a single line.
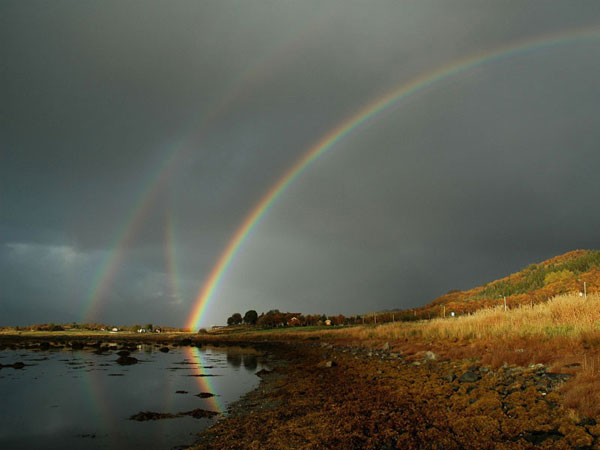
[(568, 316)]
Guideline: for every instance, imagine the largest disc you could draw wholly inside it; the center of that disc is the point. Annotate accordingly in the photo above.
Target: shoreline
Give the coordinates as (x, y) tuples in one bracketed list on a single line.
[(330, 396), (327, 391)]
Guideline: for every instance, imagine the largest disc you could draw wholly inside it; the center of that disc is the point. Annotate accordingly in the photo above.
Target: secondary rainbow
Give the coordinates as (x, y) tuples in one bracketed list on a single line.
[(349, 126), (126, 233)]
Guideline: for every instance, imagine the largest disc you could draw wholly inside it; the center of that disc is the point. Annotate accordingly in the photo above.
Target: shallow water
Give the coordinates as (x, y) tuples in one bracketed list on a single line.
[(78, 399)]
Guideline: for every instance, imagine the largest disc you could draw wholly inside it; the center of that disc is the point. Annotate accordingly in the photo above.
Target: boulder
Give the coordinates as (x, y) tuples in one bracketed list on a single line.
[(469, 377), (431, 355), (328, 364), (126, 360), (205, 395), (143, 416), (262, 373), (164, 349), (450, 377), (199, 413)]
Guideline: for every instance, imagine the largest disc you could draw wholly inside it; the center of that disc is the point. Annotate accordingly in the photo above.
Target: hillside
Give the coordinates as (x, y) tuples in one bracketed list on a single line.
[(536, 283)]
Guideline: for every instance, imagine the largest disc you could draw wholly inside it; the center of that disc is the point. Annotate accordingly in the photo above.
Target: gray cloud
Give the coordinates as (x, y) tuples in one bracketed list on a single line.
[(471, 179)]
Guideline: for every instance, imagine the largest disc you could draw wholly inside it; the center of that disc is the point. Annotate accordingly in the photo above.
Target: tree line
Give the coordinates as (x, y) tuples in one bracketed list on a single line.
[(275, 318)]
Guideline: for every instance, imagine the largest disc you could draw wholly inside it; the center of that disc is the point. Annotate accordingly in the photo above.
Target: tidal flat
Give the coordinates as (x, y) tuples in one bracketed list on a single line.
[(101, 394)]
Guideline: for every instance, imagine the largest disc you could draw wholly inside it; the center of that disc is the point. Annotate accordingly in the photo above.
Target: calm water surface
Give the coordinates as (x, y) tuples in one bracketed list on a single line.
[(81, 400)]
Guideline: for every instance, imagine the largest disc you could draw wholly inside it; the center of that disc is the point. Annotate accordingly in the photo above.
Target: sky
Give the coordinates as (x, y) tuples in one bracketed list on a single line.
[(136, 137)]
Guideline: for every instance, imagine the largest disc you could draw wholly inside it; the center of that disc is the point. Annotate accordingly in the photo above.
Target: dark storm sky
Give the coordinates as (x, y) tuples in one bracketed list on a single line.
[(460, 184)]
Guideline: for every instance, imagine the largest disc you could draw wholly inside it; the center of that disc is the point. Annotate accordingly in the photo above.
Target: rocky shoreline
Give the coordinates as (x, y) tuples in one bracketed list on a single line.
[(332, 396), (328, 395)]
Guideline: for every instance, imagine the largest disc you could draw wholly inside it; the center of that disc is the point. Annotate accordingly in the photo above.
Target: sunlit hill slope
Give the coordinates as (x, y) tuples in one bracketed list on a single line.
[(572, 272)]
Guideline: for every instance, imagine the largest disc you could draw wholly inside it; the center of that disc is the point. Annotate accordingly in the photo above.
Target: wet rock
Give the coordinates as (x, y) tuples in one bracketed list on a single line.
[(469, 377), (431, 356), (76, 345), (186, 342), (44, 346), (126, 360), (143, 416), (123, 353), (587, 421), (538, 437), (200, 413), (17, 365), (536, 366), (263, 372), (181, 392), (164, 349), (205, 395), (329, 363), (450, 377), (558, 377)]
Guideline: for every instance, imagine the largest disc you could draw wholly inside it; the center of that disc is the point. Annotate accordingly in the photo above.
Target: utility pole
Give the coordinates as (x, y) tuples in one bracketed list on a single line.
[(505, 303), (393, 319), (375, 318), (584, 290), (444, 311)]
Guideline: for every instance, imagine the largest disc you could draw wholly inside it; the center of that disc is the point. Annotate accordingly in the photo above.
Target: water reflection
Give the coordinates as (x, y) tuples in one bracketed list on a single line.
[(234, 359), (250, 362), (78, 399)]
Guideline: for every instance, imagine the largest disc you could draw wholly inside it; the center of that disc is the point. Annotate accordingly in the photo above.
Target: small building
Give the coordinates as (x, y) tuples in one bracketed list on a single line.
[(293, 322), (328, 322)]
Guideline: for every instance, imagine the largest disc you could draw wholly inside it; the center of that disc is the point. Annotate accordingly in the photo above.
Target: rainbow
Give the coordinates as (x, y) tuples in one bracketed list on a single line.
[(171, 258), (204, 383), (253, 74), (108, 269), (349, 126)]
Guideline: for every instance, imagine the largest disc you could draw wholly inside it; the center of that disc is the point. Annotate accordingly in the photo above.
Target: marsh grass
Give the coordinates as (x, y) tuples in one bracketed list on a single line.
[(569, 316)]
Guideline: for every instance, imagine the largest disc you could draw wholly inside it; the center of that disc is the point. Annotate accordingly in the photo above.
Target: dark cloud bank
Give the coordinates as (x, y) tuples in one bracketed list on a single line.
[(469, 180)]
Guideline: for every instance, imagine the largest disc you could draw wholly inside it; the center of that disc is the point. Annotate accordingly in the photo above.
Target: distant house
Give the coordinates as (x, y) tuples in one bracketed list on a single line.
[(328, 322), (157, 330), (293, 322), (141, 330), (114, 330)]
